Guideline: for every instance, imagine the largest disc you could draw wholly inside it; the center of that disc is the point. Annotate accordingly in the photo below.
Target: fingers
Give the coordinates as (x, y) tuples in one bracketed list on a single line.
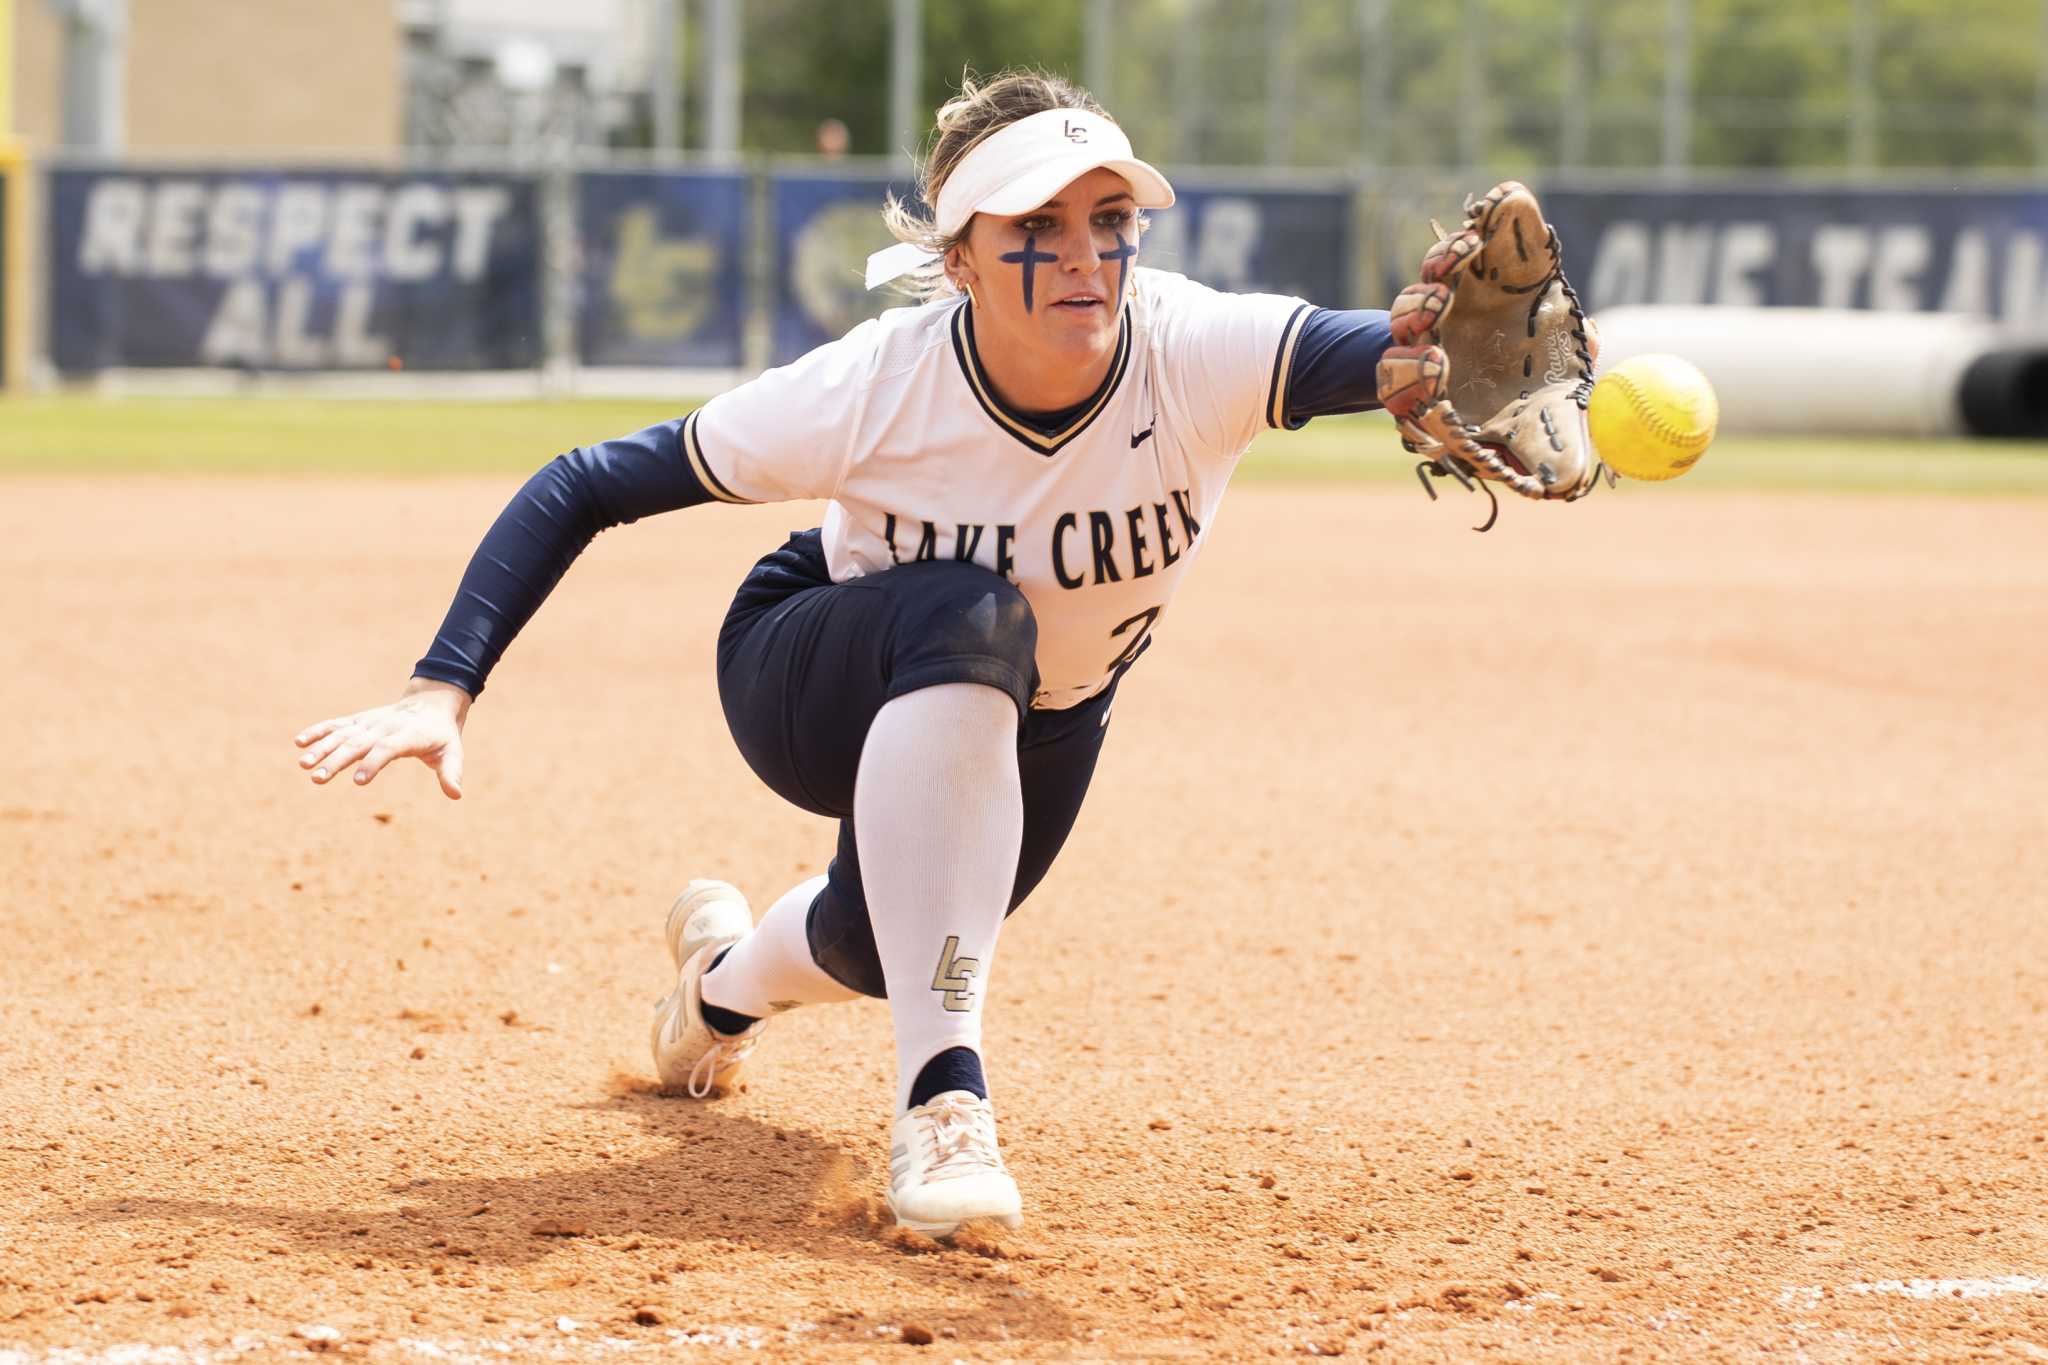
[(1447, 258), (350, 747), (367, 742), (1521, 250), (449, 770), (1411, 379), (316, 757), (317, 730), (1417, 312), (364, 750), (373, 762), (351, 738), (1479, 213)]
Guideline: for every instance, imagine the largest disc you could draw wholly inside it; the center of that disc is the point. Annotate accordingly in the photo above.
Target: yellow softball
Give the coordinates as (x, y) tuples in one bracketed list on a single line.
[(1652, 416)]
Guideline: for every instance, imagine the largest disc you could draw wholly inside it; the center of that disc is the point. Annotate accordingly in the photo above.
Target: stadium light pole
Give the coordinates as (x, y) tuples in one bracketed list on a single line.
[(1573, 107), (2041, 94), (1280, 82), (14, 262), (1374, 104), (665, 80), (6, 70), (1677, 87), (1190, 141), (722, 54), (1471, 86), (1098, 50), (95, 62), (906, 37), (1862, 87)]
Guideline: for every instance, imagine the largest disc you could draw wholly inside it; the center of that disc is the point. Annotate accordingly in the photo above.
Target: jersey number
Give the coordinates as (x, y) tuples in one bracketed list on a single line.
[(1139, 638)]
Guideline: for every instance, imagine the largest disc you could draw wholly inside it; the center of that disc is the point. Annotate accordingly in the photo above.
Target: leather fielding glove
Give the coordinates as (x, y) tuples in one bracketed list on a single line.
[(1492, 362)]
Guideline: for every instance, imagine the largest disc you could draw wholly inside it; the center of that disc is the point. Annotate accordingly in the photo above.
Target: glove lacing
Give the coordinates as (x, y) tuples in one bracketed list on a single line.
[(1444, 465)]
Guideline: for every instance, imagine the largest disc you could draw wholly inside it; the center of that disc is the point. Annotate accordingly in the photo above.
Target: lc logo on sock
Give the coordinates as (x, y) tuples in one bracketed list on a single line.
[(954, 977)]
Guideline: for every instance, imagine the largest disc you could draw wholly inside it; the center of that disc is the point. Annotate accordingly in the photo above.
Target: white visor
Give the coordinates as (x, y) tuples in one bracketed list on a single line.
[(1020, 166)]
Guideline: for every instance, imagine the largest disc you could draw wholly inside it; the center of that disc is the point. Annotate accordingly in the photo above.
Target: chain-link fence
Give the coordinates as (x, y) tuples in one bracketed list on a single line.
[(1490, 86), (1522, 86)]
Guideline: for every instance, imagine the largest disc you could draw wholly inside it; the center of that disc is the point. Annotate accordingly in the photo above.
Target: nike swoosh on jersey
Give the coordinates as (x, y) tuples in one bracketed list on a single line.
[(1140, 438)]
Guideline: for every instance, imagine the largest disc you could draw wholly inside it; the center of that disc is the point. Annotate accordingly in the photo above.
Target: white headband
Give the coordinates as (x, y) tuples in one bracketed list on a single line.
[(1019, 167)]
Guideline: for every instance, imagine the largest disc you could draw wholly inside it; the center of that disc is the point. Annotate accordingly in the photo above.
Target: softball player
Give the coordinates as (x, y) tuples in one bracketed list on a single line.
[(1019, 474)]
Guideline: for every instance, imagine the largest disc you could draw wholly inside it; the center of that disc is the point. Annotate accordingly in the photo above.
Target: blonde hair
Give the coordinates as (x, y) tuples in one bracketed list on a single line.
[(981, 107)]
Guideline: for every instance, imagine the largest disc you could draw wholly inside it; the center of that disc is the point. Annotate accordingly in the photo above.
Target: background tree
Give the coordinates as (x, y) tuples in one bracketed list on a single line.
[(1505, 82)]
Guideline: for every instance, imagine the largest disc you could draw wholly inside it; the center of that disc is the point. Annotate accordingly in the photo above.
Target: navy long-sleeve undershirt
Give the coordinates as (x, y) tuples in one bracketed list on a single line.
[(561, 509), (537, 537), (1336, 363)]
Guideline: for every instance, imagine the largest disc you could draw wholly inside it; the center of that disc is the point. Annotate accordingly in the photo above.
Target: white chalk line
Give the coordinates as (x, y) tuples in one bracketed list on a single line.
[(564, 1339), (1996, 1286)]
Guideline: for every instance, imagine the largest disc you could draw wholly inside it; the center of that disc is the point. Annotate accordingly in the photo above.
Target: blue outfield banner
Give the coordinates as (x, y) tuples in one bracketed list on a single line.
[(825, 227), (1238, 238), (1249, 239), (1959, 251), (664, 268), (293, 269)]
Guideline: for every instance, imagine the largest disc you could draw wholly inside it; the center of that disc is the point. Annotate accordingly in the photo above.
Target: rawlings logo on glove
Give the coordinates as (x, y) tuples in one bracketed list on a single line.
[(1492, 362)]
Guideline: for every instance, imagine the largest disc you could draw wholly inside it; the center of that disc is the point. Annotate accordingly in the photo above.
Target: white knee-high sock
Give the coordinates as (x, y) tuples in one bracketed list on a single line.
[(938, 812), (770, 970)]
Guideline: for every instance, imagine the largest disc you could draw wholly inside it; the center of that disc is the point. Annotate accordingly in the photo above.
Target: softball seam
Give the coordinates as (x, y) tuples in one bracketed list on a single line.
[(1638, 401)]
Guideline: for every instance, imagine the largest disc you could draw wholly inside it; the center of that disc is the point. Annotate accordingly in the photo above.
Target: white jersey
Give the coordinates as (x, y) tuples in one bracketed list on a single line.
[(1096, 523)]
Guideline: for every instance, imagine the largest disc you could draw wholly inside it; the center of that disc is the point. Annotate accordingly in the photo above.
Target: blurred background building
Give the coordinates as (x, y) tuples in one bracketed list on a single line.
[(297, 76), (610, 184), (1824, 85)]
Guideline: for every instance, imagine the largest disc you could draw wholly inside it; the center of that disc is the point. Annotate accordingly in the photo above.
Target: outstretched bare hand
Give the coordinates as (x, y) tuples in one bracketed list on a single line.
[(425, 723)]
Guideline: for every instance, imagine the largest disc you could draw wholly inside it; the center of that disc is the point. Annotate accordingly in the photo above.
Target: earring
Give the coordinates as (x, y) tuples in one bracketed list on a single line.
[(972, 302)]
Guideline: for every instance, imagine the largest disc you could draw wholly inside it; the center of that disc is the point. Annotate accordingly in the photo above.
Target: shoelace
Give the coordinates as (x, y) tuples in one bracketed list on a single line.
[(721, 1053), (963, 1140)]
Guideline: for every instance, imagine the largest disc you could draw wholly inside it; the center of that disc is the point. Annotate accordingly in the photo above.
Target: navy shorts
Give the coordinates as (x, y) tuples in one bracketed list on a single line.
[(805, 663)]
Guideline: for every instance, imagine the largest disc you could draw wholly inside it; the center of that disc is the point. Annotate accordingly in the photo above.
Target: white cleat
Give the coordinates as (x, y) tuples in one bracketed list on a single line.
[(688, 1055), (945, 1168)]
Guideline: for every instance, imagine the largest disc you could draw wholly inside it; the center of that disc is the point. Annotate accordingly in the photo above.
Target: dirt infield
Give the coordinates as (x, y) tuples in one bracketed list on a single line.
[(1657, 969)]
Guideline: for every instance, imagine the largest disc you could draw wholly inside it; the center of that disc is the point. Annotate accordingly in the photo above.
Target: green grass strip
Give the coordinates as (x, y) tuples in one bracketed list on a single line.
[(79, 434)]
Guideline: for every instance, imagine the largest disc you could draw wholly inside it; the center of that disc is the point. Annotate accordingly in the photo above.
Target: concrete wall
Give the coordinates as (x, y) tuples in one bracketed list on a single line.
[(298, 76), (38, 112), (319, 76)]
